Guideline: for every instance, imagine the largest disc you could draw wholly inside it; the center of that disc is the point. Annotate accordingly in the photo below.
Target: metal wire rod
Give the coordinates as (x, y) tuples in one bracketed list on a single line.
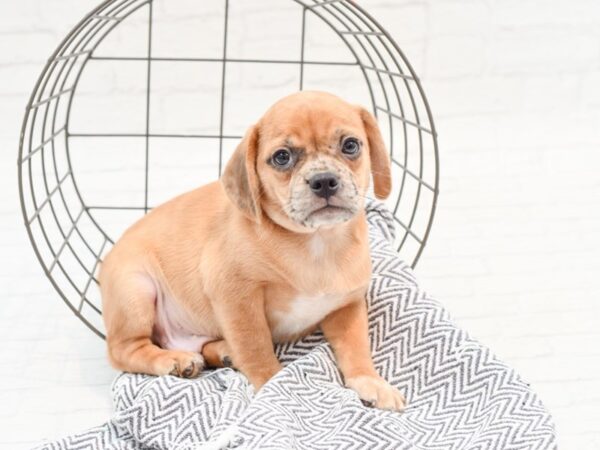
[(99, 16), (416, 177), (405, 120), (52, 97), (67, 237), (361, 32), (388, 72), (44, 143), (155, 135), (408, 230), (223, 79), (48, 197), (326, 2), (137, 208), (72, 55), (89, 281), (302, 45), (148, 81), (219, 60)]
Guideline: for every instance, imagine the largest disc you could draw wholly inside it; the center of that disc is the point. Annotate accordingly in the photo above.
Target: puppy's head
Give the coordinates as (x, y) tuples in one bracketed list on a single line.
[(307, 163)]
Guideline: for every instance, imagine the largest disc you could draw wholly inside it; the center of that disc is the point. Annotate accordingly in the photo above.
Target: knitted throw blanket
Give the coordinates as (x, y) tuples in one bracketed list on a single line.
[(460, 396)]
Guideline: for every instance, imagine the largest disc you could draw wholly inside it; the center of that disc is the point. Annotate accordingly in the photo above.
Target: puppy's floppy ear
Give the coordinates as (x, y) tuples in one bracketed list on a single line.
[(380, 160), (240, 179)]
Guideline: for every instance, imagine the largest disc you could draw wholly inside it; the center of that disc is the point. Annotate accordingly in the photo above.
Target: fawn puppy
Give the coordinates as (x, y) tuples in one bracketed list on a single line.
[(274, 249)]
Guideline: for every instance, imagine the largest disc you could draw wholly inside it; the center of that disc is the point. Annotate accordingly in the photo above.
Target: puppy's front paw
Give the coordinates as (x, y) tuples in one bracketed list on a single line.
[(181, 364), (375, 391), (188, 365)]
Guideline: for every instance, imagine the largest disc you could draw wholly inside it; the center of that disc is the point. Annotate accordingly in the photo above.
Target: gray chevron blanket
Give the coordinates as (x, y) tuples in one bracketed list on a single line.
[(460, 396)]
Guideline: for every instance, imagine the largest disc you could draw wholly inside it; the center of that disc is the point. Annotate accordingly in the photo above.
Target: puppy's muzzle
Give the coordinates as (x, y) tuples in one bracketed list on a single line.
[(324, 184)]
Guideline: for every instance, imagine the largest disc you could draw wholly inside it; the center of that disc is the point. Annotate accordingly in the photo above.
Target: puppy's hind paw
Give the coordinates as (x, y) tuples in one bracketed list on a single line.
[(227, 362)]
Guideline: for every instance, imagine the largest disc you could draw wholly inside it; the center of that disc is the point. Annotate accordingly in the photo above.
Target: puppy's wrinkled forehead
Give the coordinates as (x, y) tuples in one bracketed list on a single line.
[(311, 120)]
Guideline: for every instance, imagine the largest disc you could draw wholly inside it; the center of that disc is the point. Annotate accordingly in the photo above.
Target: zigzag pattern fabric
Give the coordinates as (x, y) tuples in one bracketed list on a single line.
[(460, 396)]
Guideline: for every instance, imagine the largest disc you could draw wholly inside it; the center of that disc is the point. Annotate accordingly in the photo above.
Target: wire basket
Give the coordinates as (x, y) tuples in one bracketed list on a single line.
[(145, 99)]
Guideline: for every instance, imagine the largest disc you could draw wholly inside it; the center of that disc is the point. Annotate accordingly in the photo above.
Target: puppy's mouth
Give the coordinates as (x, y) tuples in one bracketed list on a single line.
[(329, 209), (328, 215)]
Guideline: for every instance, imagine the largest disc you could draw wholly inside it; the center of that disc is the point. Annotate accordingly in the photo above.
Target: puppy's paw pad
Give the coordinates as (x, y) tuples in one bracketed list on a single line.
[(376, 392)]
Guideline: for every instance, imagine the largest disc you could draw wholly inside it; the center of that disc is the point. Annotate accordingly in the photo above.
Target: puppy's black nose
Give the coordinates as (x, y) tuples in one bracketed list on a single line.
[(324, 184)]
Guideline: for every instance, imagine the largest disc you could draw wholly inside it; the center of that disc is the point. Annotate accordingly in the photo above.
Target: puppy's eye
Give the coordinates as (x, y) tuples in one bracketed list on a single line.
[(350, 147), (282, 158)]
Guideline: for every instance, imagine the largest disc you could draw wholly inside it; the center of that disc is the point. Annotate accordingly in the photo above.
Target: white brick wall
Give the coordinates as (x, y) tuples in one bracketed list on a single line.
[(514, 88)]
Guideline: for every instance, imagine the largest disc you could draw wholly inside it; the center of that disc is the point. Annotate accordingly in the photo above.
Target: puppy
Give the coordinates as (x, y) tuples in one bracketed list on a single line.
[(274, 249)]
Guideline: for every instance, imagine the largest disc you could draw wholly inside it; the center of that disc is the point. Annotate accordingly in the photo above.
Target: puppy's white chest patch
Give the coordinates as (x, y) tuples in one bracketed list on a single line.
[(317, 245), (305, 312)]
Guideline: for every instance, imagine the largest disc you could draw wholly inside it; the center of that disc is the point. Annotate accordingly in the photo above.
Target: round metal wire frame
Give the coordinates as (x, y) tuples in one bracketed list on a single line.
[(68, 239)]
